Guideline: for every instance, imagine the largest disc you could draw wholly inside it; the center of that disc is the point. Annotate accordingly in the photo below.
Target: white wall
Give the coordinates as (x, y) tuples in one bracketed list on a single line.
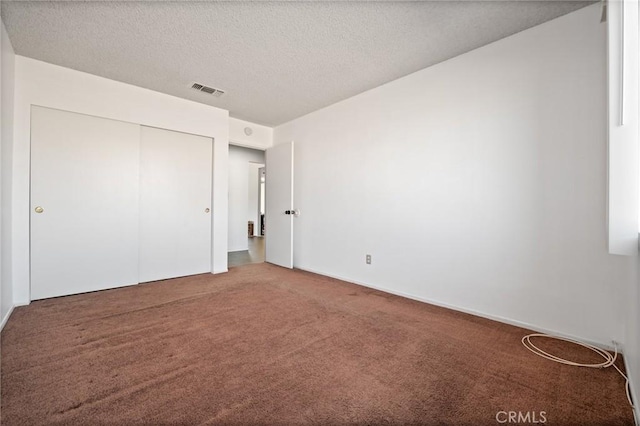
[(632, 339), (39, 83), (478, 183), (261, 138), (623, 166), (7, 60), (623, 128), (239, 159)]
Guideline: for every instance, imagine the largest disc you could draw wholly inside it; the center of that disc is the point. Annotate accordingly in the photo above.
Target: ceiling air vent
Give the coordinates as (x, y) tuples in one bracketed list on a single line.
[(206, 89)]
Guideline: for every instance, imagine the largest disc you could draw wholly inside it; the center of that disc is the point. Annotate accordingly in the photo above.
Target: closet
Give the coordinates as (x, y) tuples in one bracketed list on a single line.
[(115, 203)]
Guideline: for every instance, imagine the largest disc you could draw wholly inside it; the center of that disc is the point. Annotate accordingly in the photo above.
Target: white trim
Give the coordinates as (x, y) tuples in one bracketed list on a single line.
[(632, 391), (237, 250), (6, 317), (220, 271), (244, 144), (498, 318)]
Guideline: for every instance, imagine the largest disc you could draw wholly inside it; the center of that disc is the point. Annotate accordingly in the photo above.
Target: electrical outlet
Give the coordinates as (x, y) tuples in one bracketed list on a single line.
[(368, 259)]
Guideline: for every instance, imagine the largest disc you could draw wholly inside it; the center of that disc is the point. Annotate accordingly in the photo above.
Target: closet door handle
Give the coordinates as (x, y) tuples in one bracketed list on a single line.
[(207, 210), (38, 209)]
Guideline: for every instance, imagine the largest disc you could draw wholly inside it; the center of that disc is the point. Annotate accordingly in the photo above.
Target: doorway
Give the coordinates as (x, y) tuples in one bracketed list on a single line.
[(246, 206), (262, 176)]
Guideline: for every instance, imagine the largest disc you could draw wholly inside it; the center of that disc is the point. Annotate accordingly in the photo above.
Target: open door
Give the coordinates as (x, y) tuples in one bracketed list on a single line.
[(279, 205)]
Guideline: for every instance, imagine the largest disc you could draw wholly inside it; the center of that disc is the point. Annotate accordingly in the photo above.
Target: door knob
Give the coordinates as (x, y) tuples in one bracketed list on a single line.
[(207, 210), (39, 209)]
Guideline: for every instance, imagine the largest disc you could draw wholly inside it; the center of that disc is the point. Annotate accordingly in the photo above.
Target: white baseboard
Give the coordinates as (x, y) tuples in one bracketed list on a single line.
[(6, 317), (632, 390), (220, 271), (521, 324)]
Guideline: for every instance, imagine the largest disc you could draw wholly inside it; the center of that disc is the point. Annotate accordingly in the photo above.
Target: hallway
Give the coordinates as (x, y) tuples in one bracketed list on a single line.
[(255, 254)]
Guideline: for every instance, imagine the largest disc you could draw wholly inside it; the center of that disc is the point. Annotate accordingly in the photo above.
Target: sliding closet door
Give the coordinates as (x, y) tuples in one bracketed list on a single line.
[(175, 204), (84, 203)]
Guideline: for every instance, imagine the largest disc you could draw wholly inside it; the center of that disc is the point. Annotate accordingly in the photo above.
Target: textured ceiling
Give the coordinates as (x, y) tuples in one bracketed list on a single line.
[(276, 61)]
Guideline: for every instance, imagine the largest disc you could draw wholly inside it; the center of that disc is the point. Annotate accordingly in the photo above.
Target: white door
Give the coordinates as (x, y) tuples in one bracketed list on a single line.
[(279, 205), (84, 203), (175, 204)]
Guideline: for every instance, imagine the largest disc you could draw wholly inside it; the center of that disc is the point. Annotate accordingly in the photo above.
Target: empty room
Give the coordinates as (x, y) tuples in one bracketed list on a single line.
[(319, 212)]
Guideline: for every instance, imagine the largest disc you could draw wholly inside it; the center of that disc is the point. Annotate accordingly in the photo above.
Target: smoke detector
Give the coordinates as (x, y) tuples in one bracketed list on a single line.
[(207, 89)]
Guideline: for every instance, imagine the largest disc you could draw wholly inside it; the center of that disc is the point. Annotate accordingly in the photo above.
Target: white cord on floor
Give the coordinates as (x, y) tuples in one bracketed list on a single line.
[(609, 360)]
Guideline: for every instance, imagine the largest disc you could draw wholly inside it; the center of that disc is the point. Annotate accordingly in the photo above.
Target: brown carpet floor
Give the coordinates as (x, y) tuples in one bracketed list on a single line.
[(265, 345)]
